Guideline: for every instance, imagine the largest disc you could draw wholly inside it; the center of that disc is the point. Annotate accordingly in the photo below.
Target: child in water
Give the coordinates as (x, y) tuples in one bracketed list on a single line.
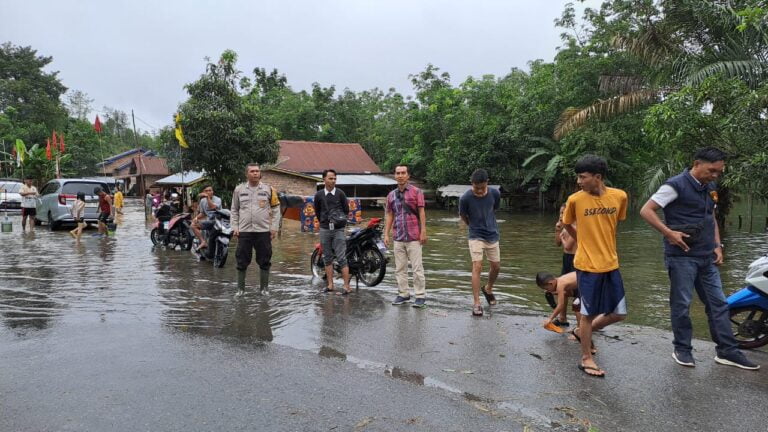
[(78, 214)]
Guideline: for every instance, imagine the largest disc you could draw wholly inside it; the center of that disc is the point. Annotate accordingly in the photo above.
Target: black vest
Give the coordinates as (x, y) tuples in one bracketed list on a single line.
[(694, 205)]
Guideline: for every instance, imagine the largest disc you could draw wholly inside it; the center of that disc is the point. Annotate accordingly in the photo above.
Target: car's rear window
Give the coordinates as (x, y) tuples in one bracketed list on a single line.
[(10, 187), (73, 188)]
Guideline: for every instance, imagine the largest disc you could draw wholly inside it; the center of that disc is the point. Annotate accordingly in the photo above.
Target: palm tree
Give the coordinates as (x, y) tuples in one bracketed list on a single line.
[(692, 42)]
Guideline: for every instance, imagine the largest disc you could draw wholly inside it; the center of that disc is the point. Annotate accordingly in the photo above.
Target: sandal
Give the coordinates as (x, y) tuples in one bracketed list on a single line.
[(600, 373), (489, 297), (593, 350), (345, 292), (477, 310), (329, 290)]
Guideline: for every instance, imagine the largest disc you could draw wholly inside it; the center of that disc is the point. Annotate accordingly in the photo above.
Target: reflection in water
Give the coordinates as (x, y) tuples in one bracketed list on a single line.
[(47, 276)]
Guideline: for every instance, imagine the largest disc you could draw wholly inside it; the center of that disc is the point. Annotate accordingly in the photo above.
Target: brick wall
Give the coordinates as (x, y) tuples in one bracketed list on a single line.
[(290, 184)]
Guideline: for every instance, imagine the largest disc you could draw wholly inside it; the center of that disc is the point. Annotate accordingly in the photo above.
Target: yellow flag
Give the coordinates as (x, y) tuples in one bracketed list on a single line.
[(179, 133)]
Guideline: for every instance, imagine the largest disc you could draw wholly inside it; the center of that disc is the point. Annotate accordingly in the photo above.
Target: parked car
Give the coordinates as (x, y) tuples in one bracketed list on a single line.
[(9, 195), (58, 195)]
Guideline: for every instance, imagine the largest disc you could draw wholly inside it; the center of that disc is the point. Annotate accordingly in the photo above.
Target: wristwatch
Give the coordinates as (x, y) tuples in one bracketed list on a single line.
[(720, 245)]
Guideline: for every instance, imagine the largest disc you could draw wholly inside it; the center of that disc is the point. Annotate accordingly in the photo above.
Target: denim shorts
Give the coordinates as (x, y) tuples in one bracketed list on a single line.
[(334, 244)]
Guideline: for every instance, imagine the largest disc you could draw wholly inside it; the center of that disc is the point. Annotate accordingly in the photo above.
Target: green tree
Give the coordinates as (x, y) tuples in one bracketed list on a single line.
[(224, 129)]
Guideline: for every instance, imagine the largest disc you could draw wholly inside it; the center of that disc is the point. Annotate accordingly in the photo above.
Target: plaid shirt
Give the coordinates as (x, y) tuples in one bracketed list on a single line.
[(404, 207)]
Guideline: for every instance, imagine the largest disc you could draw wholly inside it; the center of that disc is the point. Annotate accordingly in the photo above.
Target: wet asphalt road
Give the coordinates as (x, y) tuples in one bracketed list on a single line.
[(110, 335)]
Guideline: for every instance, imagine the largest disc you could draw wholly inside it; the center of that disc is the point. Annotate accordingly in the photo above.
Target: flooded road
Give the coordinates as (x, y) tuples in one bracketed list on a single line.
[(111, 334), (47, 278)]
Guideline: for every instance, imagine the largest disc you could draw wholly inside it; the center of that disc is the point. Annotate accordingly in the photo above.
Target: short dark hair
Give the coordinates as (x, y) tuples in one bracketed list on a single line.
[(81, 196), (543, 278), (479, 176), (709, 154), (97, 190), (591, 164), (407, 168), (29, 177), (325, 172), (252, 164), (205, 186)]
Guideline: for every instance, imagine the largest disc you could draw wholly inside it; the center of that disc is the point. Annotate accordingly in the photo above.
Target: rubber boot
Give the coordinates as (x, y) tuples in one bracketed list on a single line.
[(240, 283), (263, 281)]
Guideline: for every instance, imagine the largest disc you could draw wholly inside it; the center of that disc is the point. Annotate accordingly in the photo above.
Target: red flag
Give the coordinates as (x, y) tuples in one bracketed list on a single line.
[(61, 143), (97, 124), (55, 139), (48, 148)]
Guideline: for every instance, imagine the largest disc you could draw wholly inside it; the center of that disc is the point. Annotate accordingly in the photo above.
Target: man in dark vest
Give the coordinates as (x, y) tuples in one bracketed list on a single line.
[(692, 252), (332, 209)]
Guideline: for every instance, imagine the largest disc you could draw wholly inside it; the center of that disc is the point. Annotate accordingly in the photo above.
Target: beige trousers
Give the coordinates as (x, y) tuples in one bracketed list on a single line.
[(406, 252)]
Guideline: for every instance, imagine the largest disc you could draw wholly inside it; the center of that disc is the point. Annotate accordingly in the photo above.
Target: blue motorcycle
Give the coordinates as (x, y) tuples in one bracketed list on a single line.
[(749, 307)]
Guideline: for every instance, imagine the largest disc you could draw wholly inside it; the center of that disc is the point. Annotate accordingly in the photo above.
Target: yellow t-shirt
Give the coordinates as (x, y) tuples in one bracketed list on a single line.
[(596, 217), (119, 199)]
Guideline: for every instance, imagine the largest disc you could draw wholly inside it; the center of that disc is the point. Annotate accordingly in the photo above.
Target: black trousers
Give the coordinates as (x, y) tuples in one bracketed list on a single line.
[(247, 242)]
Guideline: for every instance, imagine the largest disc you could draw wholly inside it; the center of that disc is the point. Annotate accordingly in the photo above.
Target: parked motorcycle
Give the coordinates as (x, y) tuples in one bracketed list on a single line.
[(365, 255), (749, 307), (218, 237), (171, 228)]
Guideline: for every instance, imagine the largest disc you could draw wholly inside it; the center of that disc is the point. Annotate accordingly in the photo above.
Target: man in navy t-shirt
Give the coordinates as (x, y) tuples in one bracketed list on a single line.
[(477, 208)]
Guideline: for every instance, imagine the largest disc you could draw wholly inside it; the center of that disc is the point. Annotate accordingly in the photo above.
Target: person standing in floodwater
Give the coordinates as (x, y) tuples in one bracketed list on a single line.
[(118, 201), (477, 208), (255, 219), (78, 214), (568, 243), (405, 213), (28, 194), (597, 210), (332, 209), (105, 210), (692, 253)]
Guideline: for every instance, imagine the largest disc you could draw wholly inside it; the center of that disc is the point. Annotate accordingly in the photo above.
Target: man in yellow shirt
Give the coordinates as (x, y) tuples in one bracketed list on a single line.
[(597, 210), (118, 201)]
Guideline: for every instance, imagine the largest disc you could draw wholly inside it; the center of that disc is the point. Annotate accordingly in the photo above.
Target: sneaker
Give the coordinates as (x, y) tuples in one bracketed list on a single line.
[(420, 303), (737, 359), (400, 300), (683, 358)]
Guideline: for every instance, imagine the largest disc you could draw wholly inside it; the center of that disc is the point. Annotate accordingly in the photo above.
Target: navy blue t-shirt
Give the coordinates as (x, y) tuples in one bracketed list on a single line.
[(481, 213)]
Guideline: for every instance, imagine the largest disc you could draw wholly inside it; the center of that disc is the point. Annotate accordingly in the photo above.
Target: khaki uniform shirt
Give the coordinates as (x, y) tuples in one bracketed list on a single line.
[(255, 209)]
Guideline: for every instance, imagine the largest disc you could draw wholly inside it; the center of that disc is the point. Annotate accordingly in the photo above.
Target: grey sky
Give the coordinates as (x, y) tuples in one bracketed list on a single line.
[(139, 54)]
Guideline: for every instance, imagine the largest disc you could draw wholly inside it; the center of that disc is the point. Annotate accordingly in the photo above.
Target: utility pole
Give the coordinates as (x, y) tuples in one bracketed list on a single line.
[(135, 137)]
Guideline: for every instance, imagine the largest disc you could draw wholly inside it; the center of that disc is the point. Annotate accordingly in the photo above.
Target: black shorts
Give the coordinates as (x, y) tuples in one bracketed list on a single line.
[(31, 211), (567, 264), (104, 217)]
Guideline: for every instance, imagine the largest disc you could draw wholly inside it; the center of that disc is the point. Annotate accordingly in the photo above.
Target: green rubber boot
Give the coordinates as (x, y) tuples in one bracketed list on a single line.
[(263, 281), (240, 283)]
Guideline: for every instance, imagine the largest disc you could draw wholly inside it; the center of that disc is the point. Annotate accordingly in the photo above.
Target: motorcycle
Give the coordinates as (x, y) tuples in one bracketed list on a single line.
[(170, 228), (749, 307), (218, 237), (365, 255)]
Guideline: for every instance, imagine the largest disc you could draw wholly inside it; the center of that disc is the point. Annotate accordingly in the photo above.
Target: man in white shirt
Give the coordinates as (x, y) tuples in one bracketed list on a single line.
[(28, 203)]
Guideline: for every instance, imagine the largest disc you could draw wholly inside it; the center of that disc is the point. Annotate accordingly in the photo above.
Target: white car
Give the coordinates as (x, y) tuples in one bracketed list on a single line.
[(57, 197), (9, 196)]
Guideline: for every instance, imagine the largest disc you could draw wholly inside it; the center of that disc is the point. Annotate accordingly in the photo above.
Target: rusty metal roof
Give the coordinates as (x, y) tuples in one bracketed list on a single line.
[(311, 157)]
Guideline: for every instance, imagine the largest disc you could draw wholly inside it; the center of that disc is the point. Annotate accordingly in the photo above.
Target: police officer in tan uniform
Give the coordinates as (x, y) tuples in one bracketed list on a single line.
[(255, 220)]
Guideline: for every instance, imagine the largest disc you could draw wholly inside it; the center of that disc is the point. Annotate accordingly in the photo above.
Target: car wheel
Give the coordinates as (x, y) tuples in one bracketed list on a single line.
[(52, 225)]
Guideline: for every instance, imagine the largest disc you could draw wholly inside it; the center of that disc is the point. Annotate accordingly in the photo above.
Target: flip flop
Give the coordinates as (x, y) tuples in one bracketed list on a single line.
[(327, 290), (592, 368), (345, 292), (578, 339), (477, 310), (489, 297)]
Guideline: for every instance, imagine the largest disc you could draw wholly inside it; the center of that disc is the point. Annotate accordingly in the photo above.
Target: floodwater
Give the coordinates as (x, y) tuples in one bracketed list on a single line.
[(48, 278)]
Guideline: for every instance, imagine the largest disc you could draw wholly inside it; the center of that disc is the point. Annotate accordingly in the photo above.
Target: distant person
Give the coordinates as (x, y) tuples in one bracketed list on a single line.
[(29, 195), (255, 221), (405, 213), (78, 214), (204, 219), (692, 252), (332, 209), (118, 201), (597, 210), (105, 210), (148, 200), (477, 208)]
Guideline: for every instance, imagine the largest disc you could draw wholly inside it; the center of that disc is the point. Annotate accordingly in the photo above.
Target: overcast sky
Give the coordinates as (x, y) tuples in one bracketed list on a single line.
[(139, 54)]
